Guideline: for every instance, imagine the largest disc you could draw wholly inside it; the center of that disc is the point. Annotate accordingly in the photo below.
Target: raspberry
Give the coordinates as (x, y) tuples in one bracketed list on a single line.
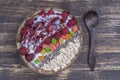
[(64, 15), (42, 13), (54, 19), (24, 31), (49, 24), (48, 40), (71, 22), (35, 18), (65, 30), (59, 30), (49, 29), (24, 40), (57, 35), (29, 23), (37, 39), (50, 12), (23, 50), (32, 33), (43, 22), (41, 35), (38, 26), (38, 49), (29, 57), (29, 40)]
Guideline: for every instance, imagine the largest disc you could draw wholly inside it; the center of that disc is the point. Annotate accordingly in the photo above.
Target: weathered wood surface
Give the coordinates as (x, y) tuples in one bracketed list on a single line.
[(12, 13)]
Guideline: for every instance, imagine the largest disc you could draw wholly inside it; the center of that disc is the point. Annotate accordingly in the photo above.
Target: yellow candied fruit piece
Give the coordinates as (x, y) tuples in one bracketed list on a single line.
[(61, 40), (43, 51)]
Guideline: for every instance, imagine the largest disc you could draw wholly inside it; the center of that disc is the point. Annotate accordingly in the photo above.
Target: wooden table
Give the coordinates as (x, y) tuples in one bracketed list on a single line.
[(12, 13)]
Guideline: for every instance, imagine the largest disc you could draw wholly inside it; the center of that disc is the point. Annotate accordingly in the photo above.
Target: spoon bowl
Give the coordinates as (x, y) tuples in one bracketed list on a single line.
[(91, 19)]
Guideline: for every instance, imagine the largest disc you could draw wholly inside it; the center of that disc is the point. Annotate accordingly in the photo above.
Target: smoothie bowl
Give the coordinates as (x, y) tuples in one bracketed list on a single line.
[(49, 40)]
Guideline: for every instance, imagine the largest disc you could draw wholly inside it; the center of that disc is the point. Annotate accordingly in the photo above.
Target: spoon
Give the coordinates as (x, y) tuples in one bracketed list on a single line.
[(91, 20)]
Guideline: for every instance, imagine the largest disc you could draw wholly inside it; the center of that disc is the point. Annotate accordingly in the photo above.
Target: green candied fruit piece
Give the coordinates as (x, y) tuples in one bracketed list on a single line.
[(36, 61), (54, 41), (47, 49), (72, 33)]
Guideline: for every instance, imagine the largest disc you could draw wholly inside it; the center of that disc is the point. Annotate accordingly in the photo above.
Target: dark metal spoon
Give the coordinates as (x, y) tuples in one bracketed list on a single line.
[(91, 20)]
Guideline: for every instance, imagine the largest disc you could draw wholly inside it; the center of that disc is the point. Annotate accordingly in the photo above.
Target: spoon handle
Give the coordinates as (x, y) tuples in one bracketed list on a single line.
[(91, 54)]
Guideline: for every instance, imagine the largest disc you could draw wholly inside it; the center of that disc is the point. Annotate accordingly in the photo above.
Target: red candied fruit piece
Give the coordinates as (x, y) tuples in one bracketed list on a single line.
[(29, 23), (44, 45), (42, 13), (57, 44), (38, 49), (71, 22), (48, 40), (32, 33), (24, 31), (50, 12), (65, 30), (23, 50), (75, 28), (29, 57), (64, 15), (57, 35), (52, 47)]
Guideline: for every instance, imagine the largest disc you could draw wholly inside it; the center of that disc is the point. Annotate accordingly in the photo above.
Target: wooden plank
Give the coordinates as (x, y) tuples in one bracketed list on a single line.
[(75, 71), (106, 61)]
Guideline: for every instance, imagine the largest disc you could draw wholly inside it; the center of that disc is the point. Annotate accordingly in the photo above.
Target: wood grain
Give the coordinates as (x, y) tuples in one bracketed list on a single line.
[(13, 12)]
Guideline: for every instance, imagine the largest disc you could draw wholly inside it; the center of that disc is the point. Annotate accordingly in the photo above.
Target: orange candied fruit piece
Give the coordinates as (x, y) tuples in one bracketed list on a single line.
[(67, 36), (40, 57), (75, 28)]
